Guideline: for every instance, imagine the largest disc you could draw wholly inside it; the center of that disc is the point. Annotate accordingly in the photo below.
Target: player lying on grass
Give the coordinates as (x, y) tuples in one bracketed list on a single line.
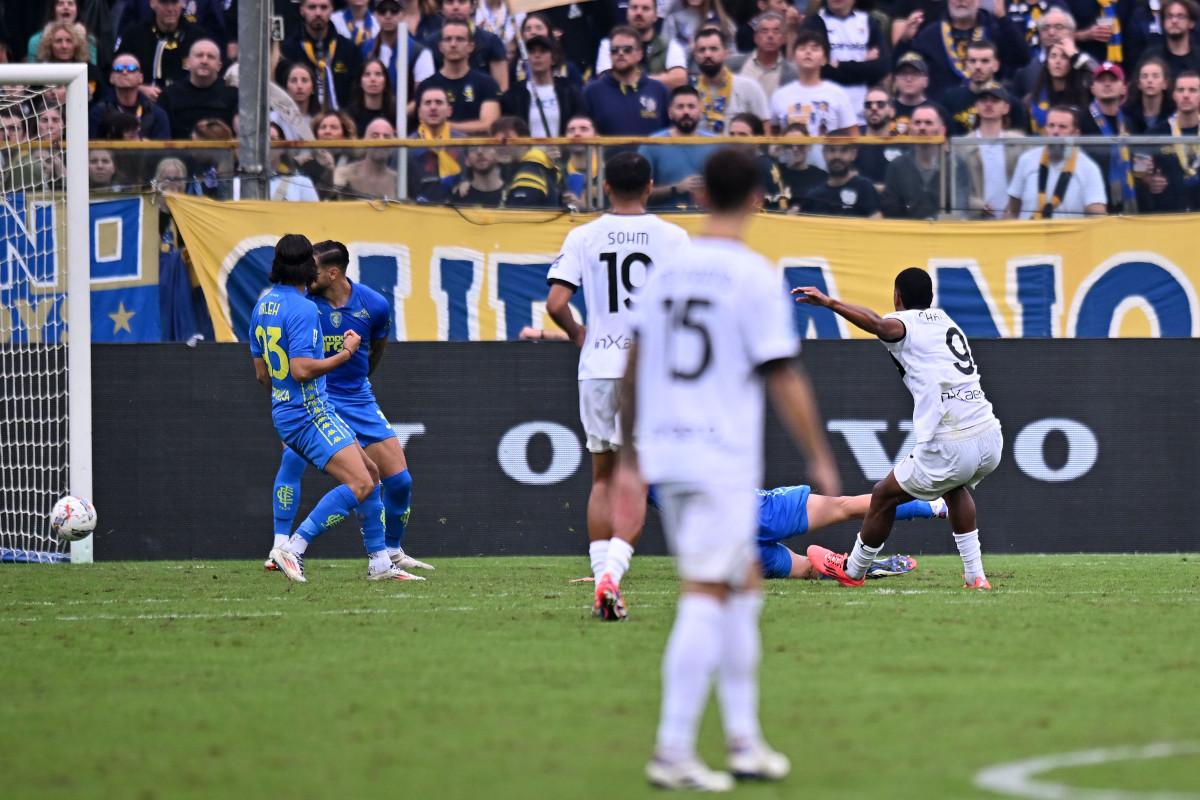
[(790, 511)]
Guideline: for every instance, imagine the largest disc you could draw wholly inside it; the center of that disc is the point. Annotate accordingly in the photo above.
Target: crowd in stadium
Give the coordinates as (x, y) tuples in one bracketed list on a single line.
[(166, 69)]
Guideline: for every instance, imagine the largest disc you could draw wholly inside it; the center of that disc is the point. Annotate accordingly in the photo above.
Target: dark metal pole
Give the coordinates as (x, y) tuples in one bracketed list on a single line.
[(254, 59)]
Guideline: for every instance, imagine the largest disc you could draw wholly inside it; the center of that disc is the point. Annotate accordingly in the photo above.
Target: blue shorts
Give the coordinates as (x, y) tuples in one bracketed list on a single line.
[(365, 418), (318, 438), (776, 560), (783, 513)]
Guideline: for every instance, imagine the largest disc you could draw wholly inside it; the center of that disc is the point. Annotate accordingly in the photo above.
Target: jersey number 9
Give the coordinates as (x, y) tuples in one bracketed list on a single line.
[(963, 361)]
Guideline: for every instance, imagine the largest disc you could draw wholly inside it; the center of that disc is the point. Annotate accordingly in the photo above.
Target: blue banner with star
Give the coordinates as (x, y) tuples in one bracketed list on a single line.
[(123, 253), (125, 267)]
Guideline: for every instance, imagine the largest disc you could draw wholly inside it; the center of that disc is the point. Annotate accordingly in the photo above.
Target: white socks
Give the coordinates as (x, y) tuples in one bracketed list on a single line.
[(693, 652), (972, 558), (619, 553), (598, 554), (861, 558), (737, 680), (297, 544), (280, 540), (379, 561)]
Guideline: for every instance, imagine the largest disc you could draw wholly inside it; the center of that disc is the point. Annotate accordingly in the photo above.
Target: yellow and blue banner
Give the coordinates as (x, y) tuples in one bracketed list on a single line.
[(33, 269), (481, 275)]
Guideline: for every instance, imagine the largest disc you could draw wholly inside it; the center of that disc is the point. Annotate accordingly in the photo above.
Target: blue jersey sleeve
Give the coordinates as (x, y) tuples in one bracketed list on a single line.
[(303, 330), (256, 350), (381, 315)]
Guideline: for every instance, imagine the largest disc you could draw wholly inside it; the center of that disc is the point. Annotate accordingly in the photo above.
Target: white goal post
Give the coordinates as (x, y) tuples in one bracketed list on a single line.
[(34, 475)]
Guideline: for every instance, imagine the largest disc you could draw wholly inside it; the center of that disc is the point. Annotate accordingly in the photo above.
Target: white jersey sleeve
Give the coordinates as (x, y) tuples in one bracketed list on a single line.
[(567, 269), (937, 366), (767, 329), (610, 258)]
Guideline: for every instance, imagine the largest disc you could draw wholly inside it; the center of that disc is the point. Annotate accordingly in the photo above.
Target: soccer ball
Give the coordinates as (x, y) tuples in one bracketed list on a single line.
[(72, 518)]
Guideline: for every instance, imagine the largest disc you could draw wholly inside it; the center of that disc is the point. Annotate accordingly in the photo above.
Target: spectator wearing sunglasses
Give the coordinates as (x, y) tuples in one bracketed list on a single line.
[(124, 94), (873, 159), (624, 101)]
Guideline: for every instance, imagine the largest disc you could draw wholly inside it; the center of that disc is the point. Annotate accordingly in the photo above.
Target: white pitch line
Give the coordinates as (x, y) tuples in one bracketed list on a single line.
[(1018, 778)]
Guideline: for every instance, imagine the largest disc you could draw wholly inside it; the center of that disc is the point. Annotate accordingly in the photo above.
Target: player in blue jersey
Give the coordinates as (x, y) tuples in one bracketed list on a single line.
[(346, 307), (285, 338), (794, 511)]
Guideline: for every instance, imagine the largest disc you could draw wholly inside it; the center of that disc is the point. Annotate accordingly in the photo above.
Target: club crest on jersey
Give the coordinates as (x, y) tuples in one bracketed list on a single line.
[(849, 197), (649, 107), (335, 318)]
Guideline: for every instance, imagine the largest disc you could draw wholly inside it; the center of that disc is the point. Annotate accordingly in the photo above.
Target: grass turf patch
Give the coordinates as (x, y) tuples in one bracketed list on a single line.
[(490, 680)]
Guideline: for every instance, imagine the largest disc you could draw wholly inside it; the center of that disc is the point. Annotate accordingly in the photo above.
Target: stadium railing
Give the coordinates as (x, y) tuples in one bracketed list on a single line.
[(211, 167)]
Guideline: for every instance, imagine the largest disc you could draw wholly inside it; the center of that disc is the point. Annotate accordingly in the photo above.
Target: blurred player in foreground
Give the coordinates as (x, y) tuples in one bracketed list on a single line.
[(712, 333), (959, 442), (790, 511), (343, 305), (610, 258), (285, 343)]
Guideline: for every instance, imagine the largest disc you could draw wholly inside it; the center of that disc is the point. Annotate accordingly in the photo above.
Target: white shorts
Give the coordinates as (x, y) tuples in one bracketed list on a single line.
[(711, 532), (949, 461), (598, 401)]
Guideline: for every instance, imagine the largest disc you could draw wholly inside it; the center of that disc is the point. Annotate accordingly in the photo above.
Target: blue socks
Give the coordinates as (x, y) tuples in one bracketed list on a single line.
[(397, 495), (333, 508), (914, 509), (287, 490), (370, 519)]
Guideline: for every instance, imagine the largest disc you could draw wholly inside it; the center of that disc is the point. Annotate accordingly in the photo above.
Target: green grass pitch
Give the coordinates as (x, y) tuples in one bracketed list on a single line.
[(490, 680)]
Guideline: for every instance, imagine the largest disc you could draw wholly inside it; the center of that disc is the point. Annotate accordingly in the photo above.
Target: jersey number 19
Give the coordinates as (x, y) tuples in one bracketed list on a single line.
[(625, 277)]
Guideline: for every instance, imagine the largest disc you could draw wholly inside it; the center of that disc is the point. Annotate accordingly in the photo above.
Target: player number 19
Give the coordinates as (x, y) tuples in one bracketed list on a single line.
[(626, 277)]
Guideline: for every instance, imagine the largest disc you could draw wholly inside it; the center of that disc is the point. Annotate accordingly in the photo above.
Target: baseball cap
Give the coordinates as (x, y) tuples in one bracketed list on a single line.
[(994, 89), (913, 59), (539, 41), (1112, 69), (388, 5)]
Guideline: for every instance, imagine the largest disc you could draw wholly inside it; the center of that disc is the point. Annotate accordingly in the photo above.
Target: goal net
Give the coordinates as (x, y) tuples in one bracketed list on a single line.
[(45, 309)]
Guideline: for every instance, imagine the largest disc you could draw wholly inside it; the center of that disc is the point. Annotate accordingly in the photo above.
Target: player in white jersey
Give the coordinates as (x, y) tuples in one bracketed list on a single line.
[(712, 331), (610, 258), (958, 437)]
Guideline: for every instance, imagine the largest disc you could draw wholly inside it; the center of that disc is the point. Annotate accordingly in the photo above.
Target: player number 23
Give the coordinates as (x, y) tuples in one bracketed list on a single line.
[(269, 339)]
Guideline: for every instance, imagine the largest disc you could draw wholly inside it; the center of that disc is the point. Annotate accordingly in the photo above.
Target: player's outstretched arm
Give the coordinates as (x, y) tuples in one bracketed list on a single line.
[(794, 401), (306, 369), (890, 329)]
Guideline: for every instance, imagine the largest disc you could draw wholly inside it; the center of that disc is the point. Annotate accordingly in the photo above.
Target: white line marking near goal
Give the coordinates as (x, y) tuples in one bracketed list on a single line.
[(1018, 778)]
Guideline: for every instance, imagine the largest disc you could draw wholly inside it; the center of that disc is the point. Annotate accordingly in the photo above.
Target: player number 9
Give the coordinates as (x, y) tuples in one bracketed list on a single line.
[(963, 361)]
